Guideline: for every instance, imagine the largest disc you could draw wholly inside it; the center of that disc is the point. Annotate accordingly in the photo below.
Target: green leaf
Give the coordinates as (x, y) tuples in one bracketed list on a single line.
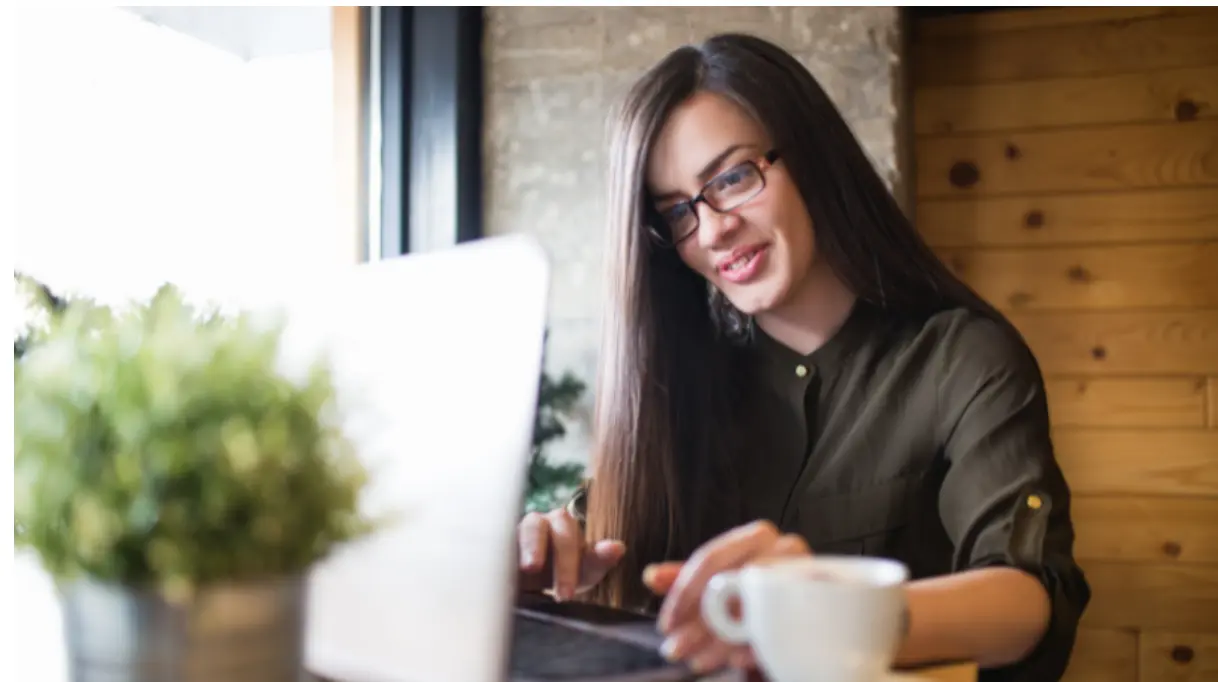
[(161, 446)]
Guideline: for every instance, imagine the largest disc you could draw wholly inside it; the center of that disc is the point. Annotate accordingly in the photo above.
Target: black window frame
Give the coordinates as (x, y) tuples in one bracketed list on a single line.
[(430, 77)]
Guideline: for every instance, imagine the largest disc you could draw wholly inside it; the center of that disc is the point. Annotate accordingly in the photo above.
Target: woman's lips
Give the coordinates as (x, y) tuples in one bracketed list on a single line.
[(744, 265)]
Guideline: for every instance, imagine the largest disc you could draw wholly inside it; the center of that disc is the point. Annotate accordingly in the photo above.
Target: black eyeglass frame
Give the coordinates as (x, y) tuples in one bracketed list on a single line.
[(762, 164)]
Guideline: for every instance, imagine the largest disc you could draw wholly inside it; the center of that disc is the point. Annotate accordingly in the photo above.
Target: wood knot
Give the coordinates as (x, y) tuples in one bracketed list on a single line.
[(1187, 110), (1019, 299), (1172, 549), (1182, 654), (1034, 219), (1099, 352), (964, 174), (1012, 152), (1078, 274)]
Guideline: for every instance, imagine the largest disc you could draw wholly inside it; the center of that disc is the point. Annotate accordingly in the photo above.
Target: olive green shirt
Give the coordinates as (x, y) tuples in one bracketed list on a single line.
[(926, 441)]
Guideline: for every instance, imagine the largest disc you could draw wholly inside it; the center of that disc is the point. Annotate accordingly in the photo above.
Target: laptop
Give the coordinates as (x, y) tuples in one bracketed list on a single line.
[(438, 358)]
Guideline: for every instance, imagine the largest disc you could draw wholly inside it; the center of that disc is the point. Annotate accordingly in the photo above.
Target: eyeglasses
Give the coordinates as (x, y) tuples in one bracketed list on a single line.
[(725, 192)]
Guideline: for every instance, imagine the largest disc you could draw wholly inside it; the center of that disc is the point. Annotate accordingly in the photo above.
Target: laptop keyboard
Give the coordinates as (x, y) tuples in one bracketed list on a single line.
[(542, 650)]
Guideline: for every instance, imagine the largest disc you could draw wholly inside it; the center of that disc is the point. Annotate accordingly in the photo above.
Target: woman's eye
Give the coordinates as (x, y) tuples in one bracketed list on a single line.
[(728, 181), (675, 213)]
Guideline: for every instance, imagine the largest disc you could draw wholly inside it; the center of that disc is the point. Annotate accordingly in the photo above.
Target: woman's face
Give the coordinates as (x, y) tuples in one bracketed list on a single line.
[(761, 250)]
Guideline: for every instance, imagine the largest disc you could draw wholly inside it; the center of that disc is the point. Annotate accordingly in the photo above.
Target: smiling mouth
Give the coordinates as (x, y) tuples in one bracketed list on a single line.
[(746, 267), (743, 261), (740, 262)]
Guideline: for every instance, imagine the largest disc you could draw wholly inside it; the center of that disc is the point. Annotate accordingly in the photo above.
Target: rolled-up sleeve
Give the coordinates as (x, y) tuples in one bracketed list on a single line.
[(1004, 499)]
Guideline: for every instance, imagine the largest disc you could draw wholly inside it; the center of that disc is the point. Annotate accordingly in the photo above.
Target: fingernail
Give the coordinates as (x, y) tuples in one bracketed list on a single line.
[(669, 649), (610, 547), (649, 575)]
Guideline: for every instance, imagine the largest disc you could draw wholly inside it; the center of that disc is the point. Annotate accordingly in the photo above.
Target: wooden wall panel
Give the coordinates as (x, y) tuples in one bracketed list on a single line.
[(1104, 656), (1133, 342), (1089, 49), (1108, 158), (977, 24), (1163, 596), (1143, 528), (1067, 168), (1212, 401), (1178, 656), (1154, 96), (1167, 215), (1139, 461), (1096, 278), (1127, 402)]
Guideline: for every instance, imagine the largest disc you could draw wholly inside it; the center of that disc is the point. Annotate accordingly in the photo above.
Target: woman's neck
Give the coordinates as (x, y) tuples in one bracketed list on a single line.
[(813, 313)]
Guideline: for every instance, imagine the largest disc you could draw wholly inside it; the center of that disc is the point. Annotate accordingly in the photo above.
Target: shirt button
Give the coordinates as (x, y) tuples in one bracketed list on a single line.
[(801, 371), (1034, 502)]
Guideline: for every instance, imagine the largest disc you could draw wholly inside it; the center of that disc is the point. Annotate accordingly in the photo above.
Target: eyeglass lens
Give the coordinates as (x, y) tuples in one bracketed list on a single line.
[(723, 193)]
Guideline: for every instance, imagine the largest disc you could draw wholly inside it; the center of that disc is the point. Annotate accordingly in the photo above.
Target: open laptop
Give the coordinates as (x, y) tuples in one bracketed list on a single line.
[(438, 357)]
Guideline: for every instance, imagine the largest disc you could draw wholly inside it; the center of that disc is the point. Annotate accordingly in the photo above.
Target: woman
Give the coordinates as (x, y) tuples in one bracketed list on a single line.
[(787, 368)]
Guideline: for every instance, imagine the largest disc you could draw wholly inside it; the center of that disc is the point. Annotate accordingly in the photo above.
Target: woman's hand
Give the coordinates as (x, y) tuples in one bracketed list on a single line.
[(553, 555), (688, 637)]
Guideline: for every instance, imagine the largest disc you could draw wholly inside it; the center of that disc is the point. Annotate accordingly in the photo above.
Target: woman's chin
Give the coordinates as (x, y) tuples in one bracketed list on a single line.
[(756, 302), (742, 301)]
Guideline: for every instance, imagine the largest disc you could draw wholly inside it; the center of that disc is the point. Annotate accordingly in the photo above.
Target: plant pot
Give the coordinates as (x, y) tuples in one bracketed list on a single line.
[(238, 633)]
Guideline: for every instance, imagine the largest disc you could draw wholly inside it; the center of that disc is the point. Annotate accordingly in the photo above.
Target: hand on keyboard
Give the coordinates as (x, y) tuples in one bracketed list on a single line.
[(553, 555)]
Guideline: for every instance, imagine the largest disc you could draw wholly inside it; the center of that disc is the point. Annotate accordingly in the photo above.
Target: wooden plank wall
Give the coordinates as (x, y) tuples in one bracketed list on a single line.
[(1067, 167)]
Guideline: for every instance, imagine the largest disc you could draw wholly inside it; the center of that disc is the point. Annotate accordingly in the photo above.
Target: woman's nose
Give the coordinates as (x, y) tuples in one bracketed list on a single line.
[(714, 227)]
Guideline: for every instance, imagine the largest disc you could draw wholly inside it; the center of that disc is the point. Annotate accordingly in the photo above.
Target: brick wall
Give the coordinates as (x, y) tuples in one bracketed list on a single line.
[(552, 76)]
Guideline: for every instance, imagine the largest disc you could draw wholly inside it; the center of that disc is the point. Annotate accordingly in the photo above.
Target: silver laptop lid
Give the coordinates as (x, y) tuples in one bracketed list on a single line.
[(438, 357)]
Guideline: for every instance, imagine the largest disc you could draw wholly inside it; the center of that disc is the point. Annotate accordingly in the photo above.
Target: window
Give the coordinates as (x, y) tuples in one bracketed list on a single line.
[(427, 106), (217, 147), (192, 145)]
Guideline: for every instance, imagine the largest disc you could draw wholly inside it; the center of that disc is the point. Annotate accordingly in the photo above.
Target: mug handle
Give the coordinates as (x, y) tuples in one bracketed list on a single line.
[(722, 588)]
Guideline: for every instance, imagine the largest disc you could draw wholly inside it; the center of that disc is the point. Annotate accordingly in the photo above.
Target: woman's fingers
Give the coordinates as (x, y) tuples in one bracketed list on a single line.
[(685, 641), (717, 654), (533, 535), (659, 578), (567, 549), (789, 545), (553, 555), (689, 637), (742, 659), (727, 551), (695, 643), (599, 560)]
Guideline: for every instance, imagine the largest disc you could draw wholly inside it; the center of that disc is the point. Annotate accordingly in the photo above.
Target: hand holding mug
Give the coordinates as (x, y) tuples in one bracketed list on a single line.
[(680, 618)]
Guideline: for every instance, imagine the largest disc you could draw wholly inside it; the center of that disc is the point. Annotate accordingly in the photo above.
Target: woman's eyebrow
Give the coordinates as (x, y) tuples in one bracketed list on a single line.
[(707, 171)]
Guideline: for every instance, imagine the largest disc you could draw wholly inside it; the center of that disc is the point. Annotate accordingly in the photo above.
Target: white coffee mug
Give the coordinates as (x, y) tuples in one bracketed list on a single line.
[(814, 619)]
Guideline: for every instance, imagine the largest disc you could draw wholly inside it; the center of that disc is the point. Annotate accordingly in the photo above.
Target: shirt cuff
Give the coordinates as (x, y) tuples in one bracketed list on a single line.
[(1068, 597)]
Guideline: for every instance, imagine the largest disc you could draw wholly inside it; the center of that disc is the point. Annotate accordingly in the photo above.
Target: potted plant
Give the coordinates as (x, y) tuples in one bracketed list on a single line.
[(178, 485)]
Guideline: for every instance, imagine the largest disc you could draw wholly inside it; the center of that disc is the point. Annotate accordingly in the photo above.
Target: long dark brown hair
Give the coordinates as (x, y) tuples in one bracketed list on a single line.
[(667, 420)]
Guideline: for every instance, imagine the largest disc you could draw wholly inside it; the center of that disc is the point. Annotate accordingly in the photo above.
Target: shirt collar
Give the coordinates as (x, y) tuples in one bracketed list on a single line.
[(860, 323)]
